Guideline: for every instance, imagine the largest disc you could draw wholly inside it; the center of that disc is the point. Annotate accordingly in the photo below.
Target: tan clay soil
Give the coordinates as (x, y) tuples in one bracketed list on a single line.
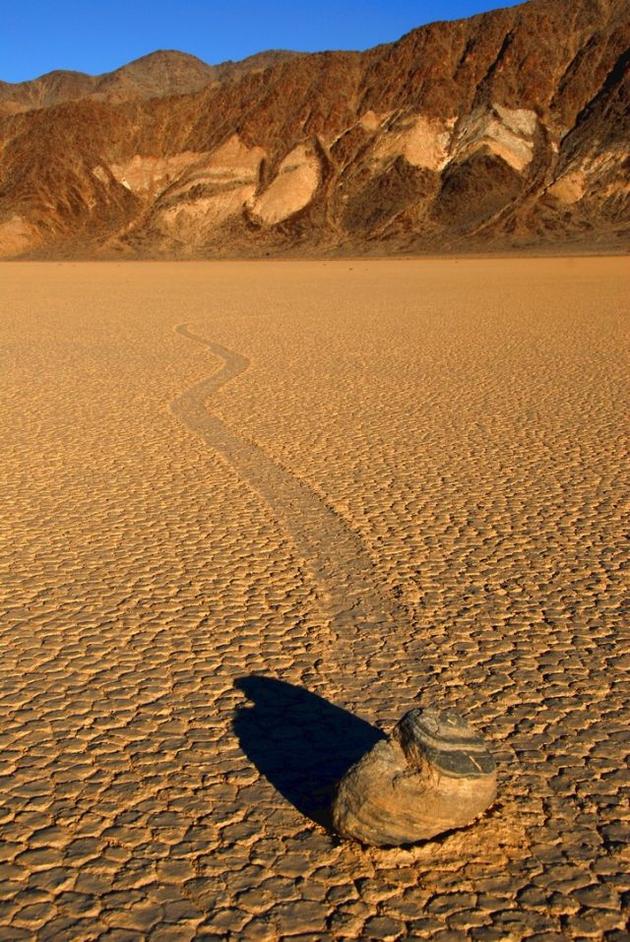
[(252, 510)]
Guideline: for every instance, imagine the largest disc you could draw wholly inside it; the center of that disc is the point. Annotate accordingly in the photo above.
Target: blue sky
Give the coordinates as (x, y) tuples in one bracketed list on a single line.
[(94, 36)]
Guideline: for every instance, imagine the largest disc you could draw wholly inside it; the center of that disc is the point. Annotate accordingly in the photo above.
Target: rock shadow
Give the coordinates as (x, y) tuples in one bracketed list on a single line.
[(299, 741)]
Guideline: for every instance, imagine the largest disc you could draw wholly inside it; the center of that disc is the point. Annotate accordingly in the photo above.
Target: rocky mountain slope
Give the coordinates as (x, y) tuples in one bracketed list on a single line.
[(509, 129), (159, 74)]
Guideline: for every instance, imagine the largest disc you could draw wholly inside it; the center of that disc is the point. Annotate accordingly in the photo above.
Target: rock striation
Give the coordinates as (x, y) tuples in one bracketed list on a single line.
[(506, 130), (433, 774)]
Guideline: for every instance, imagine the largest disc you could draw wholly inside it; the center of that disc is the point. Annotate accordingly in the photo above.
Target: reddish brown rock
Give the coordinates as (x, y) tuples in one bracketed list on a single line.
[(508, 129)]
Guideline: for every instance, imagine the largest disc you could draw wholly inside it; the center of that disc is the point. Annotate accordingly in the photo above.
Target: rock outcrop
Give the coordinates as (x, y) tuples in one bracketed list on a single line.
[(433, 774), (508, 129)]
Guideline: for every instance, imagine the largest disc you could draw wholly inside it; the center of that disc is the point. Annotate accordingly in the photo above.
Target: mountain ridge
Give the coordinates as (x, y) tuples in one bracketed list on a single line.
[(160, 73), (507, 129)]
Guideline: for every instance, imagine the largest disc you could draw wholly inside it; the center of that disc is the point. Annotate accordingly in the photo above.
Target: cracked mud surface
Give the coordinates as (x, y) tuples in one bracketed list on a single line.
[(232, 552)]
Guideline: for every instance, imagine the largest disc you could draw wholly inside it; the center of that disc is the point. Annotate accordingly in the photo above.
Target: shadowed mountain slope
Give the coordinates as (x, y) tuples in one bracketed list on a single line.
[(508, 129)]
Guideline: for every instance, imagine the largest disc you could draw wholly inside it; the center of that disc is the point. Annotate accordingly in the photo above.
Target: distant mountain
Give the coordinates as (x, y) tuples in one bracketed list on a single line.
[(161, 73), (508, 129)]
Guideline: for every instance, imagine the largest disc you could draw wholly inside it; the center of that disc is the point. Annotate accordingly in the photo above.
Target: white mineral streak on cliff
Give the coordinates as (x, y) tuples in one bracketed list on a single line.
[(291, 190)]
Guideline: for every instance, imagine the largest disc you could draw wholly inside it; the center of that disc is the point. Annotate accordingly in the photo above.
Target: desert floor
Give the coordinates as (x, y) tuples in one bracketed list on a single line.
[(251, 509)]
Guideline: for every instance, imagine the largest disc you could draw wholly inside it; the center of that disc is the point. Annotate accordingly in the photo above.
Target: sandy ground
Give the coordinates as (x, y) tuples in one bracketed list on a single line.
[(251, 510)]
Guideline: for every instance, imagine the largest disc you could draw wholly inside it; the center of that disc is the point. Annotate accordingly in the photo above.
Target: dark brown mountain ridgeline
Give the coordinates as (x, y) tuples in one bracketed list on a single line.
[(506, 130), (161, 73)]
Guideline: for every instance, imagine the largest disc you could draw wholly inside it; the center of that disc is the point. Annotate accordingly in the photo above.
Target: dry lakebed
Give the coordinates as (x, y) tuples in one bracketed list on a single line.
[(255, 511)]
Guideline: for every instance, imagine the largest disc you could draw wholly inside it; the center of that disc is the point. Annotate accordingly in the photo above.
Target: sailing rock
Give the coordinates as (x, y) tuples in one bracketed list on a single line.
[(432, 774)]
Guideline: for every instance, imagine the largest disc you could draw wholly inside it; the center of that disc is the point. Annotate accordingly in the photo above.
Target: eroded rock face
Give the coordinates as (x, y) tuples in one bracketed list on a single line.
[(145, 174), (433, 774), (508, 129), (291, 190), (508, 133), (423, 142), (16, 235), (212, 191)]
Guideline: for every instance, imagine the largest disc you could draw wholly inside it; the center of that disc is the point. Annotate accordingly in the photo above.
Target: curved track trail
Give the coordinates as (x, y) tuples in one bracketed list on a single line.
[(361, 617)]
